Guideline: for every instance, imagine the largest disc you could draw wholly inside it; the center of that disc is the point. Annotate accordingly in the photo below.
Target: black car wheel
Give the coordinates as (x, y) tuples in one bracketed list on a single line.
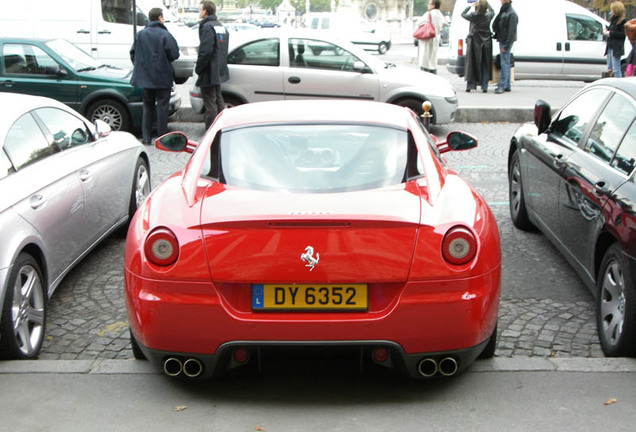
[(382, 48), (140, 187), (111, 112), (231, 101), (616, 304), (517, 202), (24, 311)]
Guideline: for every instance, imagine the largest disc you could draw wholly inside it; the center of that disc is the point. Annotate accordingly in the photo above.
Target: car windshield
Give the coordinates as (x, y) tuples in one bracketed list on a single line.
[(316, 158), (73, 56)]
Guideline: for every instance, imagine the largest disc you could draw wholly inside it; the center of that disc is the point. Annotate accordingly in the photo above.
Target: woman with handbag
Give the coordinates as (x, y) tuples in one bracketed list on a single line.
[(478, 45), (427, 48), (630, 32)]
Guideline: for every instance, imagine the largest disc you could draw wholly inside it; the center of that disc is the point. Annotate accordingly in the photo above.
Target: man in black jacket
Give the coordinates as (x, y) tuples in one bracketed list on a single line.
[(152, 54), (505, 28), (211, 64)]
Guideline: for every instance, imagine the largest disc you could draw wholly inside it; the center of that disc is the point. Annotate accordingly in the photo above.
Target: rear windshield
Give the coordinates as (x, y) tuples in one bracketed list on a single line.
[(314, 158)]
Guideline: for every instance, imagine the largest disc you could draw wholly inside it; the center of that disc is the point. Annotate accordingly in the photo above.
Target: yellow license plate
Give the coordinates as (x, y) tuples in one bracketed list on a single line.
[(309, 297)]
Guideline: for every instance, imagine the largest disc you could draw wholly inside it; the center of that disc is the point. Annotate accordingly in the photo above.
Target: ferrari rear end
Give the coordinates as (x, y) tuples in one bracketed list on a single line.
[(240, 264)]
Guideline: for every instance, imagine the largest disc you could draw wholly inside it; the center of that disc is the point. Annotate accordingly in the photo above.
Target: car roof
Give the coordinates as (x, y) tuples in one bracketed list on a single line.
[(244, 36), (316, 111), (17, 104), (626, 84)]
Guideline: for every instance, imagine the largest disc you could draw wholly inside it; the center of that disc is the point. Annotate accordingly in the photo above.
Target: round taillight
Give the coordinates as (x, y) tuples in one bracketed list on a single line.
[(162, 247), (459, 246)]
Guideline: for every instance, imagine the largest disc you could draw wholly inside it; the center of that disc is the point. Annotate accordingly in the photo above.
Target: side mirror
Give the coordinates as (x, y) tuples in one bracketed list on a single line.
[(102, 129), (359, 66), (457, 141), (176, 142), (542, 115)]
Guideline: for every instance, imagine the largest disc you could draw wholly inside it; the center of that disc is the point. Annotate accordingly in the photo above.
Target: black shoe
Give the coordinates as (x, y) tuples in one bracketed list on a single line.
[(498, 91), (507, 90), (468, 90), (145, 142), (484, 90)]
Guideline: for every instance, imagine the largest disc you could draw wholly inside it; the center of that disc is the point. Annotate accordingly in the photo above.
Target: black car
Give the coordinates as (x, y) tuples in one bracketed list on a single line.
[(58, 69), (572, 175)]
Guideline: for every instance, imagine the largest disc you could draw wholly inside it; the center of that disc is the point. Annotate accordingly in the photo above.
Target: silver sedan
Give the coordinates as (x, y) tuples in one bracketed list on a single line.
[(65, 185), (276, 64)]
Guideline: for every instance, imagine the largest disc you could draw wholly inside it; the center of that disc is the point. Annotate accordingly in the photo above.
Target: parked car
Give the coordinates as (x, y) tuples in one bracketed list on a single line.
[(66, 184), (314, 223), (239, 26), (306, 64), (572, 176), (353, 29), (58, 69), (569, 45)]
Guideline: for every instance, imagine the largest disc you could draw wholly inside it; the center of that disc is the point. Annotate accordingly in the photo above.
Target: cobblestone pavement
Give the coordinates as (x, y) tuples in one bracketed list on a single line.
[(545, 309)]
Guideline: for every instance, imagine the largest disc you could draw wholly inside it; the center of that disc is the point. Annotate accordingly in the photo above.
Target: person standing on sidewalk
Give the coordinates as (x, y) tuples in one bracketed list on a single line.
[(427, 49), (505, 28), (211, 64), (615, 39), (479, 45), (152, 53)]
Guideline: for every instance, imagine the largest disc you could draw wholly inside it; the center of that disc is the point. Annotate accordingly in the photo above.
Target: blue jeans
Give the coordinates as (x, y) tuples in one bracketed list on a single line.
[(613, 63), (504, 75)]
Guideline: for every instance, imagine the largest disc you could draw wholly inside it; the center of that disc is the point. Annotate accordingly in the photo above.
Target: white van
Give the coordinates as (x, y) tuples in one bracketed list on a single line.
[(351, 28), (556, 39), (102, 28)]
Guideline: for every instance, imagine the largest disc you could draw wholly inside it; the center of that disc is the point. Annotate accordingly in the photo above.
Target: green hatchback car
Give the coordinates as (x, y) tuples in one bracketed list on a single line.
[(59, 70)]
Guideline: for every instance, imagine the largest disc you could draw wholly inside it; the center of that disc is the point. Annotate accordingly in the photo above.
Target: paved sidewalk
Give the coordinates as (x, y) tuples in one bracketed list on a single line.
[(519, 394)]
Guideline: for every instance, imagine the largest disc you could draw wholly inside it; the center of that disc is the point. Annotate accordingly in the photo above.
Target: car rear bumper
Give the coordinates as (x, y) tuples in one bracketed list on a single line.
[(434, 319)]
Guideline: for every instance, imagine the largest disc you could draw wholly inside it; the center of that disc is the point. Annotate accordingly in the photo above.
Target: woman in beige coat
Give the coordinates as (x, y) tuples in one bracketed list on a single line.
[(427, 49)]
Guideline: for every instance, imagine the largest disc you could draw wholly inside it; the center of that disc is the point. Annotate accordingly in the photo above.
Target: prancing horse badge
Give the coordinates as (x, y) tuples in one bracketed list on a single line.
[(308, 257)]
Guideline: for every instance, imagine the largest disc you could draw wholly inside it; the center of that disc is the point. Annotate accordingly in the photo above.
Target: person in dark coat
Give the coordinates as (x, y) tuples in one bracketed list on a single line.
[(478, 45), (505, 28), (152, 54), (615, 33), (211, 64)]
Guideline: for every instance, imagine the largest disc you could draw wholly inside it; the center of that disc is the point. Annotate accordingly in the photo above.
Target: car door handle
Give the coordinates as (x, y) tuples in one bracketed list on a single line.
[(103, 32), (36, 201), (84, 175), (601, 188), (559, 46), (567, 46), (82, 31), (294, 79), (7, 84)]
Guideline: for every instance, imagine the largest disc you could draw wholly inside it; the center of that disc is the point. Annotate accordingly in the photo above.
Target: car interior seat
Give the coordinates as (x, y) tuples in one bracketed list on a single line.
[(14, 63)]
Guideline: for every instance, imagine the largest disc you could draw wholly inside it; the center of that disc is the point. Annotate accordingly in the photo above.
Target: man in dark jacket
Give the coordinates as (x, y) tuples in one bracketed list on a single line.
[(152, 54), (505, 28), (211, 64)]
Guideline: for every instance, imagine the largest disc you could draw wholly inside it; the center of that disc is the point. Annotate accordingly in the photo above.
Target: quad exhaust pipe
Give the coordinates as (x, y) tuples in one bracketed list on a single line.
[(446, 366), (174, 366)]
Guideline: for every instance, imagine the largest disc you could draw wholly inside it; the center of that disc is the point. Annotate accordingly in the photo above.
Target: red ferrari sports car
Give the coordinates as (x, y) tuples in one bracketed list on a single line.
[(314, 224)]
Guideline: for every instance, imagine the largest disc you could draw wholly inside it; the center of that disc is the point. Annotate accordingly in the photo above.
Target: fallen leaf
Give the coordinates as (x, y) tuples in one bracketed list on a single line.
[(611, 401), (258, 428), (179, 408)]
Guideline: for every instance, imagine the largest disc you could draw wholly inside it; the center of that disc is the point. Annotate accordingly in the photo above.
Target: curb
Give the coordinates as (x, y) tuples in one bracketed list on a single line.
[(497, 364)]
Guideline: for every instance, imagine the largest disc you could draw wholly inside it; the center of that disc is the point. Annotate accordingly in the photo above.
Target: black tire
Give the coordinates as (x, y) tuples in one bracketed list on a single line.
[(382, 48), (416, 106), (137, 353), (616, 304), (491, 346), (231, 101), (180, 80), (23, 313), (140, 187), (111, 112), (516, 198)]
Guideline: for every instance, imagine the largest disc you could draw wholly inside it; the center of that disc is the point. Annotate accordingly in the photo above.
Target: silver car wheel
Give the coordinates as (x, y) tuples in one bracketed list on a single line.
[(27, 310), (110, 115), (515, 188), (142, 184), (612, 307)]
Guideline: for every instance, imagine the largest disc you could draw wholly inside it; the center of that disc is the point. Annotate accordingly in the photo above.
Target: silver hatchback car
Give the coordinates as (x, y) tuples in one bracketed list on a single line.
[(310, 64), (65, 185)]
